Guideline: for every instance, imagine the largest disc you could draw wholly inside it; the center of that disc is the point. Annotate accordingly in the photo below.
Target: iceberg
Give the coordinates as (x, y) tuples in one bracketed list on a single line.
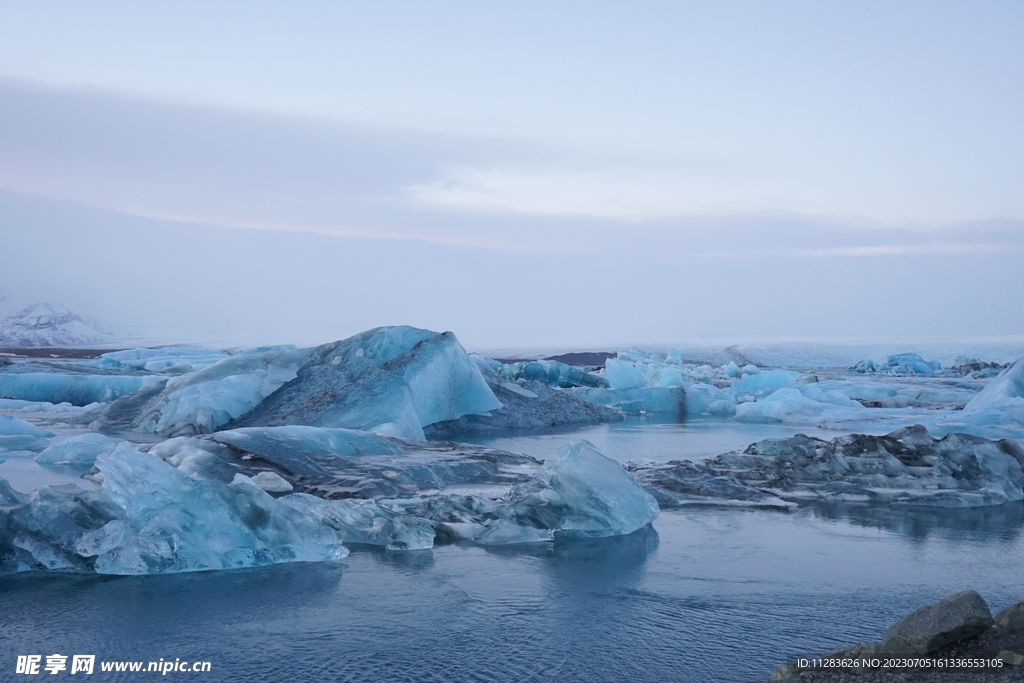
[(967, 366), (19, 435), (204, 401), (389, 380), (581, 494), (552, 373), (166, 360), (911, 364), (149, 518), (344, 463), (78, 390), (706, 399), (525, 405), (77, 455), (13, 426), (622, 374), (792, 404), (1007, 387), (908, 467), (764, 383), (364, 522), (16, 404), (667, 401), (899, 364)]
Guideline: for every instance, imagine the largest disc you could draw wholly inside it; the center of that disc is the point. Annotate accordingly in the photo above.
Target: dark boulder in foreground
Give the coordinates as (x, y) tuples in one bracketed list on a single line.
[(950, 620), (958, 627)]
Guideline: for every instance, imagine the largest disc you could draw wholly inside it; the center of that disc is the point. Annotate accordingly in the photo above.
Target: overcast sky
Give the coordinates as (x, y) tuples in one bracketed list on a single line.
[(526, 174)]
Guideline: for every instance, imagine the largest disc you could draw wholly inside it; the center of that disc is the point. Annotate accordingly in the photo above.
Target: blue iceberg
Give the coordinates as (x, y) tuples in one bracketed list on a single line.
[(389, 380)]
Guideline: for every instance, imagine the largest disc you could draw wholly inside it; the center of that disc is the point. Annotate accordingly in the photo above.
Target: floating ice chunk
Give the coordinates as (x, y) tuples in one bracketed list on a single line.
[(390, 380), (750, 369), (827, 395), (298, 440), (669, 377), (341, 462), (170, 359), (8, 496), (272, 482), (669, 401), (783, 405), (204, 401), (791, 404), (1005, 388), (967, 366), (79, 390), (733, 370), (681, 483), (583, 493), (763, 384), (1004, 421), (866, 367), (43, 406), (907, 467), (13, 426), (911, 364), (77, 455), (42, 532), (366, 522), (150, 518), (552, 373), (622, 374), (525, 405), (705, 399), (20, 435)]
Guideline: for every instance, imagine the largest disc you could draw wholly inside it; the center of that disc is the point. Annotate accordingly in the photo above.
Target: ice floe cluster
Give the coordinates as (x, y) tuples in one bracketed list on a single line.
[(181, 459), (907, 467), (281, 454)]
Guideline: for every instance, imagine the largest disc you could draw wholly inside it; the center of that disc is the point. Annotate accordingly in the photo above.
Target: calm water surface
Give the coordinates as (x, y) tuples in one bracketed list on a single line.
[(707, 595)]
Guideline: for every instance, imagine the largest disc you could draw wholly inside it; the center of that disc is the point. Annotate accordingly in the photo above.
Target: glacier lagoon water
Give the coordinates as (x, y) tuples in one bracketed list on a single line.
[(710, 595), (719, 594), (661, 440)]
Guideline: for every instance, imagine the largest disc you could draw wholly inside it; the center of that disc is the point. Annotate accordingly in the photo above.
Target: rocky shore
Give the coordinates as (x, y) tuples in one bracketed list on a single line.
[(955, 639)]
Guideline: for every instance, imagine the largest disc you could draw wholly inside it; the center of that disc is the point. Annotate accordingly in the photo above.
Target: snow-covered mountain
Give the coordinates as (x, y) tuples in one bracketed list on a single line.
[(48, 325)]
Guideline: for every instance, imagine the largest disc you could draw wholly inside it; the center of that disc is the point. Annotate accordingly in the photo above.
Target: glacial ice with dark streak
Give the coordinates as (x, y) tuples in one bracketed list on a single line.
[(203, 401), (908, 467), (345, 463), (526, 404), (150, 518), (389, 380)]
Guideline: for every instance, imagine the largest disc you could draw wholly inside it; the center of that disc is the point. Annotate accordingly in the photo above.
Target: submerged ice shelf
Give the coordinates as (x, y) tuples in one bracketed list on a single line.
[(190, 459)]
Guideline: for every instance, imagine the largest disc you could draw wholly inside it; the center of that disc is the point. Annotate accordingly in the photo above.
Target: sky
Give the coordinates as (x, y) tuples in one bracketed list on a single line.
[(524, 174)]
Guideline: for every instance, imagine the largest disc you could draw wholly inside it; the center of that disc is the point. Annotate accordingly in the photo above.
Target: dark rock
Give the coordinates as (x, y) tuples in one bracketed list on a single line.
[(1011, 619), (926, 629)]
